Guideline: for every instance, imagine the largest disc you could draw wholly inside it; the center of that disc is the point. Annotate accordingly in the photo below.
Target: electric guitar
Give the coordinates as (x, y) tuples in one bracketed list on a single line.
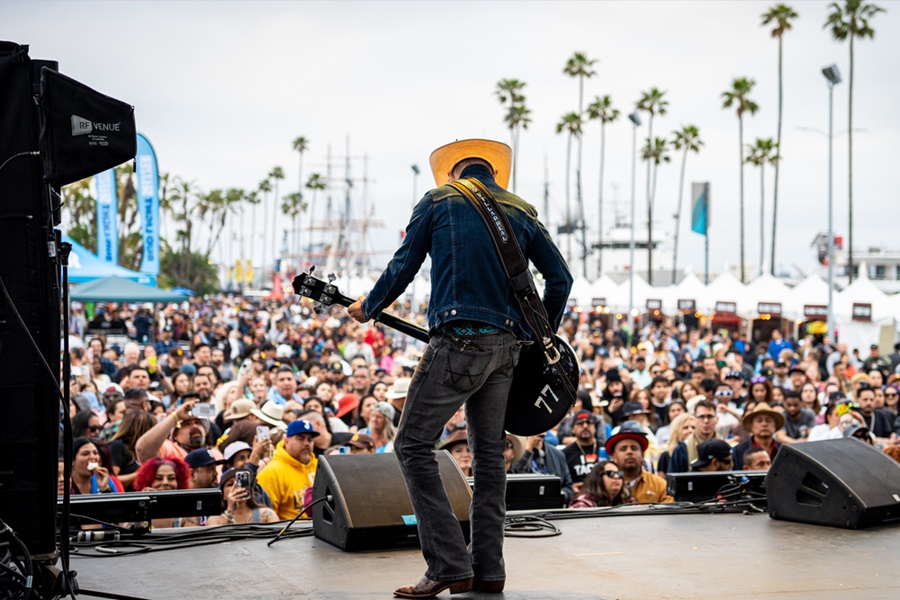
[(541, 393)]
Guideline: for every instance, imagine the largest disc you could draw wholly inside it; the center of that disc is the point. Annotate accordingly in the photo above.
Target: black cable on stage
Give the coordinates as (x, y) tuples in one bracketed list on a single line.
[(192, 537), (23, 578), (528, 526), (294, 520)]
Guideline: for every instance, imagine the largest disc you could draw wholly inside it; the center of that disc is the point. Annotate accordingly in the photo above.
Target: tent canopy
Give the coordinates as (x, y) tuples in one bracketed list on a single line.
[(117, 289), (85, 266)]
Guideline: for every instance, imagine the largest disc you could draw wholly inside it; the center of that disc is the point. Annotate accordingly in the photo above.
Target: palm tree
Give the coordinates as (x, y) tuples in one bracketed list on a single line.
[(315, 183), (737, 96), (265, 186), (276, 174), (688, 140), (300, 146), (571, 124), (851, 22), (762, 152), (517, 115), (209, 207), (184, 192), (654, 153), (602, 110), (291, 206), (654, 103), (780, 15), (579, 65)]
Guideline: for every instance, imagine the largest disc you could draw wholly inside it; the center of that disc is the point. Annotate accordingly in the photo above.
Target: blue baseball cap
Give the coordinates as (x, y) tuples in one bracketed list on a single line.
[(301, 426), (201, 458)]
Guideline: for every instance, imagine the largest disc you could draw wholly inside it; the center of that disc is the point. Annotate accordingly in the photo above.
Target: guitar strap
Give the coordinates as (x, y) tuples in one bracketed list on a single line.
[(514, 265)]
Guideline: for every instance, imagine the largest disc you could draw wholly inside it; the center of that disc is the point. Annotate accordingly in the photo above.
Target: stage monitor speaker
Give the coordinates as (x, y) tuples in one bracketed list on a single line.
[(531, 491), (367, 505), (695, 486), (840, 483)]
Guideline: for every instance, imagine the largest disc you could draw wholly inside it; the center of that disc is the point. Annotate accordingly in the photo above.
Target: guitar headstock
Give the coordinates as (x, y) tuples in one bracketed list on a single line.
[(321, 292)]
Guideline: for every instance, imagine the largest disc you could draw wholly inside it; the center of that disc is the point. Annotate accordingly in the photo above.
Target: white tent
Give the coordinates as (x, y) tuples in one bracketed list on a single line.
[(859, 334), (862, 290), (725, 288), (605, 287), (764, 288), (812, 290), (581, 292)]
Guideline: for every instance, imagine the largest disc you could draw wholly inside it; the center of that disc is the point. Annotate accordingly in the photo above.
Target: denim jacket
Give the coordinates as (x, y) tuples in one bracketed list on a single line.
[(467, 277)]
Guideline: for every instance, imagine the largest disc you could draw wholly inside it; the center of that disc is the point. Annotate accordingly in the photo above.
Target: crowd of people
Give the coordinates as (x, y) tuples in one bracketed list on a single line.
[(245, 395)]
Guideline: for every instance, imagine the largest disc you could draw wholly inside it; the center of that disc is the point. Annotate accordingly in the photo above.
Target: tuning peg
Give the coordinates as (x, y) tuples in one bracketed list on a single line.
[(318, 308), (331, 277), (311, 269)]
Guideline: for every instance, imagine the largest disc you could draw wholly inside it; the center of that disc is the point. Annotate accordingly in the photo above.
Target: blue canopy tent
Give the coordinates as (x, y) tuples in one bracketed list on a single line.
[(84, 266), (116, 289)]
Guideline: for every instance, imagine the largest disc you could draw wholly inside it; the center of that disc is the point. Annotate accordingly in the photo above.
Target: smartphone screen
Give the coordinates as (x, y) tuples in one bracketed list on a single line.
[(262, 432), (204, 409)]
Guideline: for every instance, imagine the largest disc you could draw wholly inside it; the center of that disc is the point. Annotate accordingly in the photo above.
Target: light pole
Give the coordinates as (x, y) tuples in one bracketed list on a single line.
[(636, 122), (834, 77)]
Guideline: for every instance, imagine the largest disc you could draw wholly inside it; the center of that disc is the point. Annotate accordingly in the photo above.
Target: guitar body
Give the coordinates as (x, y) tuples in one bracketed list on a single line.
[(539, 398)]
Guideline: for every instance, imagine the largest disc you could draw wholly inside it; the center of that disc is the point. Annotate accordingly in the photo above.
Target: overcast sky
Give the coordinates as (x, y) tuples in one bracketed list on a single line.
[(222, 88)]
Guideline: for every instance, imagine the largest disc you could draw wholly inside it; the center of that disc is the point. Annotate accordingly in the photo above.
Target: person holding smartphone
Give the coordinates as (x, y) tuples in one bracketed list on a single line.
[(238, 503)]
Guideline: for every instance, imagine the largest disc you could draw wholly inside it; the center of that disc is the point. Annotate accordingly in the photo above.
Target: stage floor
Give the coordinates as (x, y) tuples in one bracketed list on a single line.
[(617, 557)]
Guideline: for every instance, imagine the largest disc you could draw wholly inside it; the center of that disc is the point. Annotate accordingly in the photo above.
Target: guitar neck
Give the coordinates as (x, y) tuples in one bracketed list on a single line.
[(401, 325)]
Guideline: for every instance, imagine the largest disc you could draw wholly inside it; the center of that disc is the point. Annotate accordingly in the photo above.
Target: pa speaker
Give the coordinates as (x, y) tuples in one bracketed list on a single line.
[(29, 270), (366, 504), (840, 483)]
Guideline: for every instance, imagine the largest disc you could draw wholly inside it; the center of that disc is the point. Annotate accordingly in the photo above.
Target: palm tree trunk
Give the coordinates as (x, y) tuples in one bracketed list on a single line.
[(850, 171), (600, 201), (741, 157), (777, 162), (514, 134), (253, 210), (762, 215), (649, 206), (678, 212), (581, 223), (650, 228), (300, 221), (262, 239), (568, 202), (274, 232)]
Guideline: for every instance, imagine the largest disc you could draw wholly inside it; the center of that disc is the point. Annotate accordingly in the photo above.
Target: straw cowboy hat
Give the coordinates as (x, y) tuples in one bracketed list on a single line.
[(399, 389), (762, 409), (497, 154)]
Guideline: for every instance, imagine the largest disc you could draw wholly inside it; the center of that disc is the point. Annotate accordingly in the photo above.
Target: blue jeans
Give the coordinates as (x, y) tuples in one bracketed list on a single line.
[(448, 376)]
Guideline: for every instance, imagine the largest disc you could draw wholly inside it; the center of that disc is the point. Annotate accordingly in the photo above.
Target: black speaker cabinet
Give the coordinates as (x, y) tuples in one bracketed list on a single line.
[(839, 483), (368, 506), (29, 269), (531, 491)]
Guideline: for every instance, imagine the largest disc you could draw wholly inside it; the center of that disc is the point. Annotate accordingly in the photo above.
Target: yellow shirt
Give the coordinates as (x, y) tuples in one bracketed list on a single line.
[(285, 479), (650, 488)]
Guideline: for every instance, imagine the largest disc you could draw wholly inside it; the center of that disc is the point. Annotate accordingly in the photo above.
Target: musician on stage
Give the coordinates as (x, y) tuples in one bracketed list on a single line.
[(476, 335)]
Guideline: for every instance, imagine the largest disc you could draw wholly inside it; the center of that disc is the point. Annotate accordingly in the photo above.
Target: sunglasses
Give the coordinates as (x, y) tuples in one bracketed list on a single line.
[(95, 428), (614, 474), (891, 395), (758, 380), (705, 417), (724, 394), (509, 445)]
